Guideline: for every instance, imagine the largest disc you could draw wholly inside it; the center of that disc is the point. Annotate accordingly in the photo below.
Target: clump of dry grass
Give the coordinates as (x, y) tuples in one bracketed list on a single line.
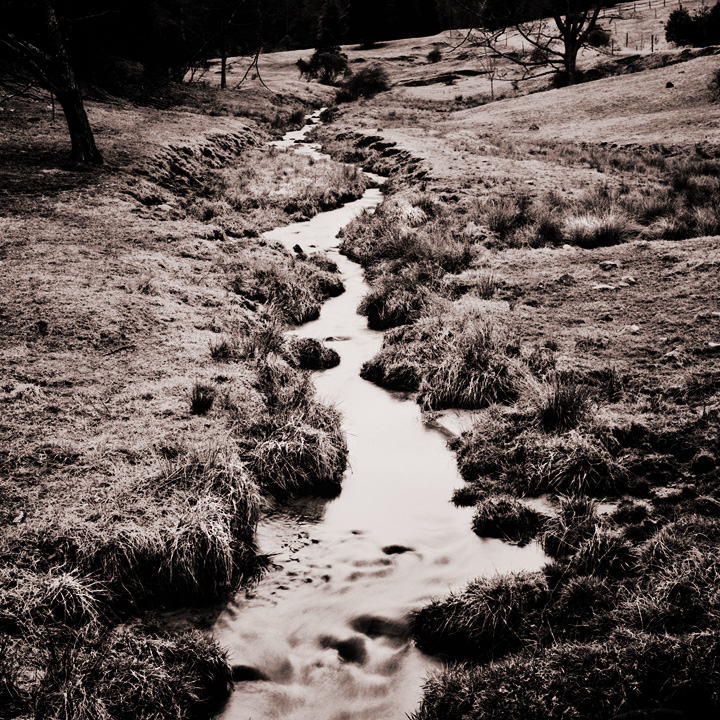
[(297, 445), (561, 403), (599, 680), (311, 354), (394, 300), (485, 621), (590, 230), (508, 519), (293, 289), (575, 522), (128, 673), (202, 397)]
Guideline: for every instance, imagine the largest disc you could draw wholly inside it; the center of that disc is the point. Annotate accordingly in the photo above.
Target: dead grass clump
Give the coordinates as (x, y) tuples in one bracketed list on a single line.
[(192, 555), (604, 554), (488, 619), (393, 301), (575, 522), (311, 354), (561, 403), (473, 371), (128, 674), (579, 465), (508, 519), (58, 597), (202, 397), (297, 446), (294, 290), (629, 672), (598, 230)]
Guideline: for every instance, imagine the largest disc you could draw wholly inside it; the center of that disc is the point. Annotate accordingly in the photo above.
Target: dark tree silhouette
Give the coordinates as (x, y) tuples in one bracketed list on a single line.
[(41, 55)]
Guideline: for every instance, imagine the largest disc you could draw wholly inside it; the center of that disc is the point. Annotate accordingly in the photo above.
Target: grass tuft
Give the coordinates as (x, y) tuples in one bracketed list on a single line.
[(508, 519), (202, 397)]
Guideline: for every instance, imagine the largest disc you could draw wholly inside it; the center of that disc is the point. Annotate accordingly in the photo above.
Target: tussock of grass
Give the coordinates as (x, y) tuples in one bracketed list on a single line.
[(598, 680), (592, 231), (295, 290), (393, 301), (29, 599), (473, 372), (455, 360), (202, 397), (561, 403), (297, 445), (604, 554), (128, 674), (508, 519), (485, 621), (311, 354), (575, 522), (529, 463)]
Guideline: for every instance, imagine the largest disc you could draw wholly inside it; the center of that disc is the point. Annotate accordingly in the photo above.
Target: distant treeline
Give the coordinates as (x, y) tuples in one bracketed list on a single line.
[(110, 40)]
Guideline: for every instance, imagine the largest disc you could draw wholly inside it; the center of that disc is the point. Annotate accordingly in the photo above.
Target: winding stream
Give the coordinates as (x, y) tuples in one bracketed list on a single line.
[(323, 636)]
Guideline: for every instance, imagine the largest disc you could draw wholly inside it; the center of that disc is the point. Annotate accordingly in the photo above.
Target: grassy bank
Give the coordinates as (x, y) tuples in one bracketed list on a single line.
[(150, 396), (566, 292)]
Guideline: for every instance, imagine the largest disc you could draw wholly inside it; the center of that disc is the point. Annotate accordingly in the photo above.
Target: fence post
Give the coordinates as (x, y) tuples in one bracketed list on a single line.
[(627, 39), (652, 43)]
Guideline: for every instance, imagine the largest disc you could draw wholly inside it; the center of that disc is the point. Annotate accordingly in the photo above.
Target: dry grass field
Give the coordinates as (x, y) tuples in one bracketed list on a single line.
[(548, 261)]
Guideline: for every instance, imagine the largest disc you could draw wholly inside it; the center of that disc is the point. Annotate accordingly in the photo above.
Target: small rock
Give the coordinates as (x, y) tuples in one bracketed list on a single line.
[(605, 317), (396, 549), (713, 347), (19, 518), (609, 264), (352, 650), (669, 84), (534, 126), (245, 673), (602, 286), (633, 329), (629, 279)]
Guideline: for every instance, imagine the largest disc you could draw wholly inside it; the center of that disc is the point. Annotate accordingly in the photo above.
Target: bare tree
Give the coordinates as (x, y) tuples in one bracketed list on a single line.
[(551, 32), (48, 65)]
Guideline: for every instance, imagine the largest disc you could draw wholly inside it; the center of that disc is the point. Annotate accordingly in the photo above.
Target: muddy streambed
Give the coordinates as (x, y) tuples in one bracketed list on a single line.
[(324, 634)]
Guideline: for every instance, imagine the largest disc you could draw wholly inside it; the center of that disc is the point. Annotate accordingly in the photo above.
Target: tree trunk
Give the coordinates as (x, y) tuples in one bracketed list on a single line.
[(223, 56), (68, 94), (84, 149)]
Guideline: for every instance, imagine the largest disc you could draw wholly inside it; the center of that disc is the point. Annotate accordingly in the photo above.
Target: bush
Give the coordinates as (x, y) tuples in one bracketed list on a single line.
[(680, 27), (508, 519), (365, 83), (598, 37)]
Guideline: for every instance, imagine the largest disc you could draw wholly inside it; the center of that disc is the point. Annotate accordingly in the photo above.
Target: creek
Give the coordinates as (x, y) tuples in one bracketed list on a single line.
[(324, 635)]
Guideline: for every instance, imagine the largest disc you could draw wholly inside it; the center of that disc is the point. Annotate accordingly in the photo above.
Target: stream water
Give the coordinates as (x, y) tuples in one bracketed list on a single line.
[(324, 634)]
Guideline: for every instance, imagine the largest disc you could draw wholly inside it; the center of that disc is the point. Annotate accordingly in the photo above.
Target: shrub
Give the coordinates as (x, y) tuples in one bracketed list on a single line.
[(680, 27), (598, 37), (485, 621), (508, 519), (365, 83)]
